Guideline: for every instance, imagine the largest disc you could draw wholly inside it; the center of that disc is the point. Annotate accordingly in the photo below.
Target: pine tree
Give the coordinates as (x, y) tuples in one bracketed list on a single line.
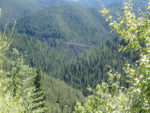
[(39, 99)]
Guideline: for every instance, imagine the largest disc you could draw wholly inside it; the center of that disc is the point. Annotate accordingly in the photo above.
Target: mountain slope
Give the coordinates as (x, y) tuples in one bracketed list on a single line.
[(13, 9), (69, 22)]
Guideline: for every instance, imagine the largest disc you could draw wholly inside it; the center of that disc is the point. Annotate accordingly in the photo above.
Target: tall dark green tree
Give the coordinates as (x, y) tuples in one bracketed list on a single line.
[(39, 98)]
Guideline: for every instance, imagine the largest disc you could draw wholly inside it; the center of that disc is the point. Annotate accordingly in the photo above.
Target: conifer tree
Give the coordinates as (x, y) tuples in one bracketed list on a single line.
[(39, 99)]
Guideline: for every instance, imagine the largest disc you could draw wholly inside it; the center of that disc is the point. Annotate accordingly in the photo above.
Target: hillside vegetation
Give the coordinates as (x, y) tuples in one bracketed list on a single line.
[(14, 9), (58, 51), (69, 22)]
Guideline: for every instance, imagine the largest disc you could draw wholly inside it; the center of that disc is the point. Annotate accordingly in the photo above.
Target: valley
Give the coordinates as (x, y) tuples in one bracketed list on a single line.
[(60, 48)]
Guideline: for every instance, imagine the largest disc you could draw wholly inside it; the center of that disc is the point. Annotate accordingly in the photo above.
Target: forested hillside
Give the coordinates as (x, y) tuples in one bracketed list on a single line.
[(69, 22), (60, 61), (14, 9), (63, 24), (48, 44), (58, 51), (70, 63)]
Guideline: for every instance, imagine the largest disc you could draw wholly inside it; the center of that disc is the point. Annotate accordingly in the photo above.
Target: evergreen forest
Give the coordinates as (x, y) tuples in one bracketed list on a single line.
[(74, 56)]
